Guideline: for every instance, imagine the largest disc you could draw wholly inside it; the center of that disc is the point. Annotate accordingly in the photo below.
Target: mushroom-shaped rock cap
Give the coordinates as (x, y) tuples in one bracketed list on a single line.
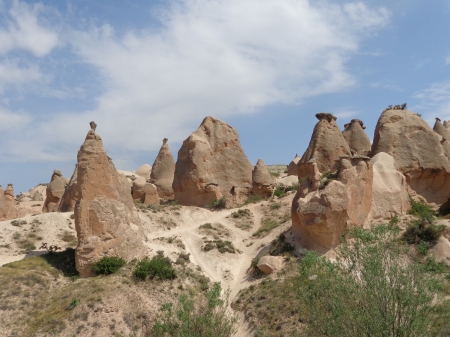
[(356, 137), (440, 129), (325, 115)]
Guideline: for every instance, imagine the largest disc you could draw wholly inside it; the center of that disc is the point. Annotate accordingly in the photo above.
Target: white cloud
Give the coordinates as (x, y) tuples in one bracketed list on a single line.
[(12, 72), (435, 101), (24, 30)]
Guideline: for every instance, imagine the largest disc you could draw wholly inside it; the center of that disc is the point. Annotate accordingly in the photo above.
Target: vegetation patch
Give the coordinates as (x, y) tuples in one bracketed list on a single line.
[(281, 190), (220, 245), (217, 204), (242, 218), (158, 266), (326, 178), (108, 265)]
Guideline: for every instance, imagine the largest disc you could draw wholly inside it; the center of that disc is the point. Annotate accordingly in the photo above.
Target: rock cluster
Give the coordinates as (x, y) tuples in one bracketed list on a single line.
[(212, 164), (105, 220), (163, 170), (55, 191)]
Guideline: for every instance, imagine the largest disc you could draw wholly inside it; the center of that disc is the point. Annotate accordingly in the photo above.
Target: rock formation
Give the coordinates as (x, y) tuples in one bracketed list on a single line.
[(37, 196), (55, 191), (163, 170), (105, 220), (7, 203), (138, 189), (441, 130), (327, 144), (389, 189), (71, 194), (270, 264), (211, 163), (447, 124), (320, 218), (144, 171), (417, 152), (151, 194), (357, 138), (292, 167), (263, 183)]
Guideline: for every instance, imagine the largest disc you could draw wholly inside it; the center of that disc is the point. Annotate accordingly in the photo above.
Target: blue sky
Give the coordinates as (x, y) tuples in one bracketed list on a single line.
[(145, 70)]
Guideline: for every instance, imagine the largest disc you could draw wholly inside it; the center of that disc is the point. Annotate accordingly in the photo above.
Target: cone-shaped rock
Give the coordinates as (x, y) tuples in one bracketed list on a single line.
[(417, 152), (37, 196), (105, 220), (292, 167), (163, 170), (71, 194), (322, 216), (7, 203), (440, 129), (55, 191), (263, 183), (327, 144), (211, 163), (447, 124), (357, 138)]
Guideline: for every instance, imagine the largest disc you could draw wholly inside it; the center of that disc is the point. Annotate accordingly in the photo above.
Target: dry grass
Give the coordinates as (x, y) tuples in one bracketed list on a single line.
[(275, 215), (242, 218)]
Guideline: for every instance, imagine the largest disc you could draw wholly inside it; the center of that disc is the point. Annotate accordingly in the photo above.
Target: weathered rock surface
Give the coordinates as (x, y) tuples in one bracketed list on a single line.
[(7, 203), (262, 180), (211, 163), (327, 144), (138, 189), (292, 167), (441, 130), (163, 171), (144, 171), (105, 220), (71, 194), (311, 178), (417, 152), (55, 191), (151, 194), (357, 138), (389, 189), (320, 218), (270, 264), (37, 196)]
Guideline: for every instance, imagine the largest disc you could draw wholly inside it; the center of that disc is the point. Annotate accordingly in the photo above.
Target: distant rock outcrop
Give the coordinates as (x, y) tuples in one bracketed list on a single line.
[(357, 138), (292, 167), (389, 189), (105, 220), (417, 152), (144, 171), (71, 194), (211, 163), (55, 191), (263, 182), (327, 144), (7, 203), (163, 171), (441, 130), (321, 217)]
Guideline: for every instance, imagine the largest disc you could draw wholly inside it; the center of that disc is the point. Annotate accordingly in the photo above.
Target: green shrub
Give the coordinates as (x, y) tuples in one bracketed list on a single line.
[(218, 204), (421, 210), (418, 231), (241, 213), (193, 316), (158, 266), (281, 190), (108, 265), (326, 178), (253, 199), (207, 225)]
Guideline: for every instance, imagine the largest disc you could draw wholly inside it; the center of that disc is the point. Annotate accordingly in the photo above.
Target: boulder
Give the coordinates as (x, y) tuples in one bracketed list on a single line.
[(144, 171), (71, 194), (357, 138), (389, 189), (151, 194), (262, 180), (417, 152), (105, 220), (211, 164), (270, 264), (327, 144), (292, 167), (320, 217), (55, 191), (138, 189), (163, 170)]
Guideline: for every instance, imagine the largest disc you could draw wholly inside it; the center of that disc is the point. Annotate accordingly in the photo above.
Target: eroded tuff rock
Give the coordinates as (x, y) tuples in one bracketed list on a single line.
[(138, 189), (389, 189), (150, 194), (211, 163), (292, 167), (163, 171), (441, 130), (55, 191), (7, 203), (357, 138), (327, 144), (71, 194), (262, 180), (105, 220), (320, 218), (417, 152), (144, 171), (270, 264)]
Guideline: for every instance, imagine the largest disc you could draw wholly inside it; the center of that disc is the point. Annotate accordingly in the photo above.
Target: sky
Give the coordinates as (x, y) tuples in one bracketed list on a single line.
[(146, 70)]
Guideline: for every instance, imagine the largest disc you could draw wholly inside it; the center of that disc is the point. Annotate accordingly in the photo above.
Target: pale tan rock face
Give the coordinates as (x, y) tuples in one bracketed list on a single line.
[(263, 182), (151, 194), (7, 203), (71, 194), (55, 191), (327, 144), (144, 171), (417, 152), (292, 167), (138, 189), (37, 196), (270, 264), (441, 130), (163, 171), (310, 178), (211, 163), (320, 218), (357, 138), (105, 220), (389, 189)]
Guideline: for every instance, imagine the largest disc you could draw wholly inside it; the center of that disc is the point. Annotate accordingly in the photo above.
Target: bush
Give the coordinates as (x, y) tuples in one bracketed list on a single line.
[(108, 265), (418, 231), (158, 266), (193, 316), (422, 210), (218, 204), (281, 190)]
